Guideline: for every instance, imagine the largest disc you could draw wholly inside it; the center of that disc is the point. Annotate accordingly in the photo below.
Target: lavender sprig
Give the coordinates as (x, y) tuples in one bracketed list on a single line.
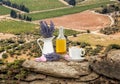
[(52, 56), (47, 31)]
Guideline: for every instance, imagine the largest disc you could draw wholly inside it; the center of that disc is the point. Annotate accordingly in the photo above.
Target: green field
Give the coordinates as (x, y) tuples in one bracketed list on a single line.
[(96, 39), (87, 2), (16, 27), (66, 11), (4, 11), (10, 26), (37, 5), (67, 32)]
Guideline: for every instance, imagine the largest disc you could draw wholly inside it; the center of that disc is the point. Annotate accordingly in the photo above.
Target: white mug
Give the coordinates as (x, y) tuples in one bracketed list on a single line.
[(76, 53)]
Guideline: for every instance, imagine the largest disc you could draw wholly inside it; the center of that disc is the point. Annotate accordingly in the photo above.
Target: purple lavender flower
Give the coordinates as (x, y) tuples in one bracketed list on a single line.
[(52, 56), (47, 31)]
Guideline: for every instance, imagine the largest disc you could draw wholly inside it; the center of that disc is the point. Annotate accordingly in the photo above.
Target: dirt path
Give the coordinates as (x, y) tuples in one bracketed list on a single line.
[(3, 17), (64, 2)]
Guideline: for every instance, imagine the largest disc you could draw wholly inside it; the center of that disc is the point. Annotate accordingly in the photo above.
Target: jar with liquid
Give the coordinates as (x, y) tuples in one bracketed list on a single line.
[(61, 42)]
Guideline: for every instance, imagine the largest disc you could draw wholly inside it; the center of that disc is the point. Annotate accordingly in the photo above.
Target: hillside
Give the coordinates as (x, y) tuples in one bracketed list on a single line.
[(92, 26)]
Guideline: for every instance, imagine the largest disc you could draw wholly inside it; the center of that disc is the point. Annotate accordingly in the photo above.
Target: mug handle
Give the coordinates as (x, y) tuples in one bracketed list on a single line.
[(83, 52), (38, 40)]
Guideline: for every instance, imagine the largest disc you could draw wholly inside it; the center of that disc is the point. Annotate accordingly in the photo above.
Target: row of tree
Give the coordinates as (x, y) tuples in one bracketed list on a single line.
[(109, 9), (110, 30), (14, 5), (14, 14)]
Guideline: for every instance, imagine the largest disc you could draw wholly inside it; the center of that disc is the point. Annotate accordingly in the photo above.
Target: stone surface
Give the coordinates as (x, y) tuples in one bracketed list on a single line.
[(81, 67), (39, 82), (57, 69), (104, 80), (23, 82), (3, 67), (3, 76), (54, 82), (89, 77), (107, 65), (12, 82), (33, 76)]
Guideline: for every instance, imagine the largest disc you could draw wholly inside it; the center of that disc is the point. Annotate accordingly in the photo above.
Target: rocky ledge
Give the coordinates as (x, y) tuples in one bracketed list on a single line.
[(102, 69), (60, 72), (108, 65)]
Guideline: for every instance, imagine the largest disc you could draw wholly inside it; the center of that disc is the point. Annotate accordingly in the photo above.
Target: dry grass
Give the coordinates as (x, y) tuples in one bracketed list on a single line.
[(96, 39)]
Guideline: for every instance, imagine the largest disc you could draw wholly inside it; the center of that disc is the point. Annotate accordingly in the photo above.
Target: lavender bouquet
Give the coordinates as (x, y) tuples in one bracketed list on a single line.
[(47, 31)]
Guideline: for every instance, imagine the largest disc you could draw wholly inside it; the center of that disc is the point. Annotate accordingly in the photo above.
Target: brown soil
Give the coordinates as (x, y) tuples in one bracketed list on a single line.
[(6, 36), (82, 21)]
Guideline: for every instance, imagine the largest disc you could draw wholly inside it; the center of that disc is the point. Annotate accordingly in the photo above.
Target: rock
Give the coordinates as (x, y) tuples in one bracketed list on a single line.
[(23, 82), (3, 76), (39, 82), (76, 83), (54, 79), (12, 82), (89, 77), (104, 80), (107, 65), (3, 67), (33, 76), (57, 69), (81, 67)]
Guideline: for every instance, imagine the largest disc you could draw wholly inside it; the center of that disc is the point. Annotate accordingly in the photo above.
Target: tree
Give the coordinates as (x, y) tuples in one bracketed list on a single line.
[(88, 31), (72, 2), (28, 18), (0, 2), (26, 10), (19, 16), (105, 10), (25, 17), (13, 14)]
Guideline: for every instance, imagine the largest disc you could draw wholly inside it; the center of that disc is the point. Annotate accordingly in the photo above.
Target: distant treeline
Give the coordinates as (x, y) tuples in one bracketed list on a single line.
[(14, 14), (14, 5), (109, 8), (110, 30)]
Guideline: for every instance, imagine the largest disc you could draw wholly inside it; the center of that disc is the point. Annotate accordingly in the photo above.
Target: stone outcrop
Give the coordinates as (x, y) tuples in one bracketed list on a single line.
[(107, 65), (33, 76), (60, 72), (97, 70), (57, 69)]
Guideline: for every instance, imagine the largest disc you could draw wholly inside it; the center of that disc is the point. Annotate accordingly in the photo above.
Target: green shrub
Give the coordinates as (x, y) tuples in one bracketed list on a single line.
[(10, 41), (8, 47), (21, 41), (11, 52), (18, 53), (1, 50), (5, 55), (1, 62), (110, 30), (88, 31), (16, 71), (112, 46), (83, 44)]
